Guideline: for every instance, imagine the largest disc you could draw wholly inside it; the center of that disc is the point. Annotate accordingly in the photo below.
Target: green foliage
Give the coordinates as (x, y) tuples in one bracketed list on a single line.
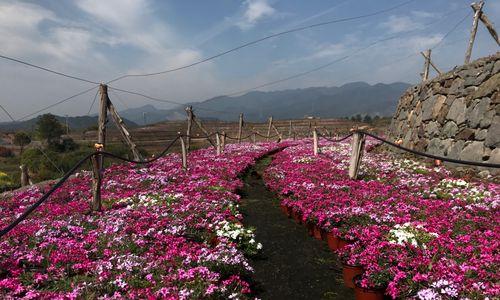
[(49, 128), (64, 145), (21, 139)]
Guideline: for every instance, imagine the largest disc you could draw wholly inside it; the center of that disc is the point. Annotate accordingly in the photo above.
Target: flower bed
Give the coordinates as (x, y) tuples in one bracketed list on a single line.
[(163, 233), (416, 231)]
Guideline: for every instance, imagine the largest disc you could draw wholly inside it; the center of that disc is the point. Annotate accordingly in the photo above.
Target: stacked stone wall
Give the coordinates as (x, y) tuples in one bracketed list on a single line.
[(456, 114)]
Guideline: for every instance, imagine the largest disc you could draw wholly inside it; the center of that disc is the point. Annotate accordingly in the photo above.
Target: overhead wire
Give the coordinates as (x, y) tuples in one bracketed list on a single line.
[(46, 69), (7, 113), (379, 12), (93, 102)]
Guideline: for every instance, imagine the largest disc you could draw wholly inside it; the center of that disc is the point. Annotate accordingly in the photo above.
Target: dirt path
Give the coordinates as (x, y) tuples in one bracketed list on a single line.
[(293, 265)]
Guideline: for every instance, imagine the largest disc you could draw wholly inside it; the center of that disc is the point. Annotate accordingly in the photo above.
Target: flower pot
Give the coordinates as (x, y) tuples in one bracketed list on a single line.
[(285, 210), (349, 272), (317, 233), (362, 293), (323, 233), (343, 243), (332, 240), (297, 217), (310, 228)]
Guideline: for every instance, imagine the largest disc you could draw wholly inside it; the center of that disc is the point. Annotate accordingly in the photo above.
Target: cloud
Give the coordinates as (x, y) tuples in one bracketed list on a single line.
[(397, 24), (255, 11)]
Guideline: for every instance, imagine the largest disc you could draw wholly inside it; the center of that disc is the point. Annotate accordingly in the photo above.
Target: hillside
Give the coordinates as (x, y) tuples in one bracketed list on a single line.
[(326, 102)]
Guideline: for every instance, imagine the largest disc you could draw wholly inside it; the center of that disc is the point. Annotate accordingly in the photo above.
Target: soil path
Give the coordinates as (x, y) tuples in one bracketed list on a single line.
[(292, 265)]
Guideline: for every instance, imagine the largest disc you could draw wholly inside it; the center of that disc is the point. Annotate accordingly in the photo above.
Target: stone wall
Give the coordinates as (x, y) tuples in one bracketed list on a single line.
[(456, 114)]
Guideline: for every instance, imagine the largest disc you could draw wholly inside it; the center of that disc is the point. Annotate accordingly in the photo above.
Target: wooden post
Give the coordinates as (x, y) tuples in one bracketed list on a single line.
[(431, 63), (198, 123), (189, 111), (98, 160), (269, 128), (358, 144), (254, 137), (290, 129), (217, 140), (183, 153), (487, 23), (315, 142), (427, 55), (223, 141), (240, 127), (477, 7), (25, 178), (124, 132)]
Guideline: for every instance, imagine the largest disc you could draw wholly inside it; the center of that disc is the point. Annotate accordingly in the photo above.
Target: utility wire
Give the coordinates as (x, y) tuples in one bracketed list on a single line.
[(452, 30), (7, 113), (93, 101), (46, 69), (57, 103), (265, 38)]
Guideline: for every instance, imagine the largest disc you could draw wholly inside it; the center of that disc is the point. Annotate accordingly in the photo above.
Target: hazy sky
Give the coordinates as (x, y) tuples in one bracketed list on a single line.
[(102, 39)]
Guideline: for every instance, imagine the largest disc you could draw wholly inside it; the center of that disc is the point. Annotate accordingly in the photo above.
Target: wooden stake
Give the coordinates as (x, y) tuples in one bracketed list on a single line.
[(198, 123), (358, 144), (254, 137), (425, 74), (477, 7), (184, 153), (217, 140), (269, 128), (290, 129), (98, 160), (25, 178), (189, 112), (240, 127), (431, 63), (223, 141), (315, 142), (124, 132), (488, 24)]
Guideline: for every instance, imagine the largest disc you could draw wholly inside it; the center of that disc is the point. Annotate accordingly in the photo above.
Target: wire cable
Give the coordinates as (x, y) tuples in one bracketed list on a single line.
[(93, 101), (7, 113), (265, 38), (57, 103), (46, 69)]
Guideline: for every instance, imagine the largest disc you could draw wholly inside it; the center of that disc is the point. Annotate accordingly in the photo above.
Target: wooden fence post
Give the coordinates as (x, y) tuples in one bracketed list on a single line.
[(198, 123), (269, 128), (189, 111), (223, 141), (217, 140), (254, 137), (427, 55), (358, 144), (477, 7), (25, 178), (98, 160), (290, 129), (123, 131), (183, 152), (240, 127), (315, 142)]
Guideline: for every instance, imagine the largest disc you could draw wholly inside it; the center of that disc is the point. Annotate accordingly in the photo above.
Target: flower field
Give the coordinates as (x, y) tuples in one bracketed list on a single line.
[(415, 231), (163, 233)]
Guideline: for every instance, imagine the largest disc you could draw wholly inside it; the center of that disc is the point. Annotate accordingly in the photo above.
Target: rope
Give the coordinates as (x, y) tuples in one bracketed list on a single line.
[(61, 181), (336, 140), (456, 161)]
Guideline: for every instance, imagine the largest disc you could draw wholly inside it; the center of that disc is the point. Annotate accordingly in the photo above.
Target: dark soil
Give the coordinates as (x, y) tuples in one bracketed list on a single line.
[(292, 265)]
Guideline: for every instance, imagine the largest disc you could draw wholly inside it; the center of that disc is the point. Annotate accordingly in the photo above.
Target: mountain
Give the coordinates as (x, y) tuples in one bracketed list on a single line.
[(147, 114), (81, 122), (325, 102)]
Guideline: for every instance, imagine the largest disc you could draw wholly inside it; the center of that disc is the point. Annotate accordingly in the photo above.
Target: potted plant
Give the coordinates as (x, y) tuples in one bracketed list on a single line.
[(364, 291)]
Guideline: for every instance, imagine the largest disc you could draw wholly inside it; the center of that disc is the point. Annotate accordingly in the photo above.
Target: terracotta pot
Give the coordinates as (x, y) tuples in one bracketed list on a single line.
[(349, 272), (333, 241), (297, 217), (362, 293), (343, 243), (323, 234), (310, 228), (317, 232), (284, 209)]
